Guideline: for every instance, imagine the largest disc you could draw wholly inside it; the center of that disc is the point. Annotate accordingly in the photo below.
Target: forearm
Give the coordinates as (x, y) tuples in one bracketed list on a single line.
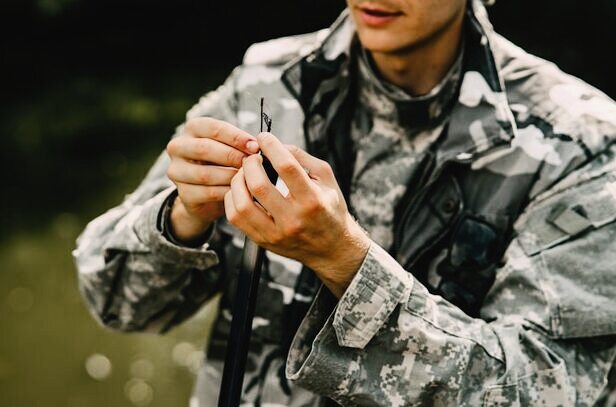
[(387, 341), (132, 277)]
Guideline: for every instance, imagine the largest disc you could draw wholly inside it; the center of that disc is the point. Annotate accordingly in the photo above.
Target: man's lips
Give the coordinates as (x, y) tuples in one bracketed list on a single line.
[(376, 17)]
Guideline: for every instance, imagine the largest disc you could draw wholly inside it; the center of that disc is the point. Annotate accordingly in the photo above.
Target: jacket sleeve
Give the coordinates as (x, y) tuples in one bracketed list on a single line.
[(130, 275), (546, 336)]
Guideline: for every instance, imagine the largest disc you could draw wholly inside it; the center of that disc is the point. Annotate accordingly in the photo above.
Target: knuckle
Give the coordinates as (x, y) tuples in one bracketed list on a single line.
[(293, 149), (287, 167), (201, 148), (191, 125), (214, 127), (211, 195), (186, 198), (275, 239), (234, 158), (243, 207), (253, 160), (172, 147), (170, 172), (237, 139), (335, 198), (324, 166), (293, 228), (259, 241), (260, 189), (235, 178), (268, 139), (203, 175), (233, 217), (312, 205), (206, 120)]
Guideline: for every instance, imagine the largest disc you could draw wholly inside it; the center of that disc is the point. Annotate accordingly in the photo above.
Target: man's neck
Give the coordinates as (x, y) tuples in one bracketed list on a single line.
[(419, 69)]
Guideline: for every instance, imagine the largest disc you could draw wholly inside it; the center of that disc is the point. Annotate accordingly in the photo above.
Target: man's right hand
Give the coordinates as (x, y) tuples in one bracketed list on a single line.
[(203, 160)]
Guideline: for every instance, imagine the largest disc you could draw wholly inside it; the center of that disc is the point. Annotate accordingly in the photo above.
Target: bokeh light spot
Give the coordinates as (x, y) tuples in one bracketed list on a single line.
[(181, 353), (142, 369), (20, 299), (66, 226), (98, 366), (138, 392), (195, 361)]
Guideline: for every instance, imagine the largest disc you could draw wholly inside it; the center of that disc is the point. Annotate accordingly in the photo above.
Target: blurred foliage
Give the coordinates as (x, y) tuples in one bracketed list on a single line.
[(53, 7), (91, 91), (78, 136)]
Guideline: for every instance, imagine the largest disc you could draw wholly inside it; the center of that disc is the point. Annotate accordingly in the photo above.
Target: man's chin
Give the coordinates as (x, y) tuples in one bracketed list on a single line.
[(384, 44)]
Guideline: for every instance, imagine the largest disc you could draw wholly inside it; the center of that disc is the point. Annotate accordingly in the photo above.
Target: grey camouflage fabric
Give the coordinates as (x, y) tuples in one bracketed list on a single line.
[(387, 151), (499, 286)]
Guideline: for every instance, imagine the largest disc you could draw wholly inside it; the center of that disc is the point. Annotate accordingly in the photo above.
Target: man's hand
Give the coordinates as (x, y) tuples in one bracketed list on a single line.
[(311, 224), (204, 159)]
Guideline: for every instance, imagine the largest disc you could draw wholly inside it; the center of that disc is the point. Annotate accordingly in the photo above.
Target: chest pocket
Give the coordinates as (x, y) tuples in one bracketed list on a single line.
[(571, 237), (465, 271), (453, 250)]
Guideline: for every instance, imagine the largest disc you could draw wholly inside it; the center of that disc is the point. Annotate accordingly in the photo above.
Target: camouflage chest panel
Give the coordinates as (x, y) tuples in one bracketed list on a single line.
[(390, 132), (452, 233)]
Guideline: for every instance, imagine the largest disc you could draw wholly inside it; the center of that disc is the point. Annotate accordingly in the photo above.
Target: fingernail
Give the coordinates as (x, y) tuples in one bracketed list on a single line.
[(252, 146)]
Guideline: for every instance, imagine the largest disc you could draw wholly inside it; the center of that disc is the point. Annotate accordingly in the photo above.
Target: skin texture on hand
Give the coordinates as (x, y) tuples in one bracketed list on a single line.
[(215, 168), (311, 224), (204, 159)]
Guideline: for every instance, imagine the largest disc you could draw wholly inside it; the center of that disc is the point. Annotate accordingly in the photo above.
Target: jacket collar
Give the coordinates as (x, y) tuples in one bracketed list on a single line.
[(480, 119)]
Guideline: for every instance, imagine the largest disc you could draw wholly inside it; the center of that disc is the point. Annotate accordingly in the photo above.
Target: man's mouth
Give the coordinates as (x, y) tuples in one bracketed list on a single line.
[(376, 17)]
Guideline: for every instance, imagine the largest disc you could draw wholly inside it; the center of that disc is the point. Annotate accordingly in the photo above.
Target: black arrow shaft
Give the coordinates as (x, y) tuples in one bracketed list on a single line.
[(244, 307)]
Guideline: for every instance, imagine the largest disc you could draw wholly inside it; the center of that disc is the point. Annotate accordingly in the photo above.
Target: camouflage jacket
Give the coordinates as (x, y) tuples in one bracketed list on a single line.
[(499, 288)]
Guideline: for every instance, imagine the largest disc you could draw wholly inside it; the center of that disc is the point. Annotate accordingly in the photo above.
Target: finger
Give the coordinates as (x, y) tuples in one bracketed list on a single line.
[(260, 186), (236, 219), (230, 211), (191, 173), (204, 149), (287, 166), (195, 195), (223, 132), (317, 168), (245, 205)]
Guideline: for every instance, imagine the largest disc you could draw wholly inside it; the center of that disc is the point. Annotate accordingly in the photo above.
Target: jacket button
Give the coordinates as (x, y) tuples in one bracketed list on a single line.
[(450, 205)]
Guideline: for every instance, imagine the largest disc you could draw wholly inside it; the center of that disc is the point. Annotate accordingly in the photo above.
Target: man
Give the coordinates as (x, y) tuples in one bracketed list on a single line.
[(455, 196)]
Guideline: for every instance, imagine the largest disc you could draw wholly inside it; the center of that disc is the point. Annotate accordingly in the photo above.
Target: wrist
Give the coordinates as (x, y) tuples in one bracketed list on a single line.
[(338, 270), (184, 227)]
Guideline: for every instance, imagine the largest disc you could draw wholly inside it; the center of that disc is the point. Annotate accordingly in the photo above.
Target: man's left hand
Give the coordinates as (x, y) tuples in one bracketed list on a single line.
[(311, 224)]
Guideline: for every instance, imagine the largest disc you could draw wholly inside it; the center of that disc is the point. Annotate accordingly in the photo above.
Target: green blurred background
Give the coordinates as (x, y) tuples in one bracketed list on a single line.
[(90, 93)]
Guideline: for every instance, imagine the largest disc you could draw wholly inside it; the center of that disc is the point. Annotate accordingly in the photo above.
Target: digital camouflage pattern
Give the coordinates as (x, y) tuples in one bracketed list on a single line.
[(499, 285), (388, 150)]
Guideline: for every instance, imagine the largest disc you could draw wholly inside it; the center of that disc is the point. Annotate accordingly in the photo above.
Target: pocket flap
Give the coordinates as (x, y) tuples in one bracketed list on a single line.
[(567, 214)]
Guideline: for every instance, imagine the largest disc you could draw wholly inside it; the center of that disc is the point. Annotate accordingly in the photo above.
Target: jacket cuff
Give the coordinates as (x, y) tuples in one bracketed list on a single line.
[(331, 331), (147, 228), (163, 226), (378, 287)]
